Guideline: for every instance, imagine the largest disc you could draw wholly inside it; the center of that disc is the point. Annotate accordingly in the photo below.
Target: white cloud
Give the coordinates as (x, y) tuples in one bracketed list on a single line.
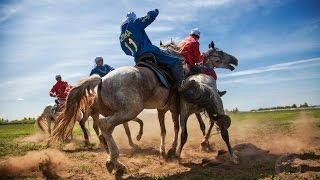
[(20, 99), (6, 12)]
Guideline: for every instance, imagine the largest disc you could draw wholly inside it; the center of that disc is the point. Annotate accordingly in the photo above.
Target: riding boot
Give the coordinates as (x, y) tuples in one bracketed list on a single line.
[(178, 74)]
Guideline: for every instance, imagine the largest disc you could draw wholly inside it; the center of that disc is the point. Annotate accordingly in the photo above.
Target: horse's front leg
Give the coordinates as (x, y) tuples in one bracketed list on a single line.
[(224, 123)]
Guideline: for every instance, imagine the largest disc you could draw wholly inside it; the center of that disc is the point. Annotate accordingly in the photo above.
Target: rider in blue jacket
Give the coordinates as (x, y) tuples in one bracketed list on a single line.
[(101, 69), (135, 42)]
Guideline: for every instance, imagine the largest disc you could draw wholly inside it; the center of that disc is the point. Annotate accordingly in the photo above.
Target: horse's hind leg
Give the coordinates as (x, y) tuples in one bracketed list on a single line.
[(141, 128), (161, 114), (85, 131), (172, 151), (183, 124), (108, 124), (201, 124), (127, 130), (205, 143)]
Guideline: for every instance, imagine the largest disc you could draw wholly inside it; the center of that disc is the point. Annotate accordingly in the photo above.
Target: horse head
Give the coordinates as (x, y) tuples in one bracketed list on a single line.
[(219, 59)]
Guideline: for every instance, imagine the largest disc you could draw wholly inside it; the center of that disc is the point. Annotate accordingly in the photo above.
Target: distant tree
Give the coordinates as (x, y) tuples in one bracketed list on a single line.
[(294, 106), (304, 105)]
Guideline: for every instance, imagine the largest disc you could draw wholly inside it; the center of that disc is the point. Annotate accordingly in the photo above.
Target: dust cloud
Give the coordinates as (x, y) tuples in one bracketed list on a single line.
[(47, 161)]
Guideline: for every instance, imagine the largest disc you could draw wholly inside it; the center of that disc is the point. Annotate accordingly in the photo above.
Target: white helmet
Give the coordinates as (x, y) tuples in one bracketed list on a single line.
[(131, 16), (195, 31)]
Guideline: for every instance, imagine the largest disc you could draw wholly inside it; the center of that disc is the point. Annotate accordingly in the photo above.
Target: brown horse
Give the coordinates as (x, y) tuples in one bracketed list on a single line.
[(122, 95)]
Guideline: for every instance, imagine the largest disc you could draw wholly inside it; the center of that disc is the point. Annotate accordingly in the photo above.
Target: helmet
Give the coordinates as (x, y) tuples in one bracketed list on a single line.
[(195, 31), (58, 76), (98, 59), (131, 16)]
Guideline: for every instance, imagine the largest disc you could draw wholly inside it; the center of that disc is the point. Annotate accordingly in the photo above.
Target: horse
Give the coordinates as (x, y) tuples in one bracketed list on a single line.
[(122, 95), (48, 117), (173, 48)]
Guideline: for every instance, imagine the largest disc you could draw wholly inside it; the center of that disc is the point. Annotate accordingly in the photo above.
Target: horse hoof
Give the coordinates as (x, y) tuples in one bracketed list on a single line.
[(172, 154), (119, 173), (234, 159), (163, 154), (110, 166), (205, 146), (139, 136), (135, 147)]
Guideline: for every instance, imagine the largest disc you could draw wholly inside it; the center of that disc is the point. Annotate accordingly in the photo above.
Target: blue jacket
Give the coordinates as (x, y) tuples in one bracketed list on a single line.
[(134, 40), (101, 70)]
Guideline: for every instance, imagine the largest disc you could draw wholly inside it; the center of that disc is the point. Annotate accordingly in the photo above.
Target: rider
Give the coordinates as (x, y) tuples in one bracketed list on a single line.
[(189, 49), (135, 42), (60, 90), (101, 69)]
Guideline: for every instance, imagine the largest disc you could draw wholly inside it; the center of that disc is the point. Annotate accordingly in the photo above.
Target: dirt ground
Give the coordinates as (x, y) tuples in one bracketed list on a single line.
[(272, 154)]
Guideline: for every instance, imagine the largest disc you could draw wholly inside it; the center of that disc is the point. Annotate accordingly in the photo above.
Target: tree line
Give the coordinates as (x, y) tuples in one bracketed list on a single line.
[(25, 120)]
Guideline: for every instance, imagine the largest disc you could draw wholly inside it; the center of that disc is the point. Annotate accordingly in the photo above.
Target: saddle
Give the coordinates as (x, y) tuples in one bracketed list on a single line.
[(149, 60)]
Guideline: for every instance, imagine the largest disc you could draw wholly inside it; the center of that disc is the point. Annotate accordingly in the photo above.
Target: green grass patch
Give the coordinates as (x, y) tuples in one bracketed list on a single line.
[(270, 120), (315, 113), (8, 135)]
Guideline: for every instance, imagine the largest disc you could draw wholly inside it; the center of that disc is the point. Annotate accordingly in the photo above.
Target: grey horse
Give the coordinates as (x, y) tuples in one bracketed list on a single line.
[(122, 95), (49, 117)]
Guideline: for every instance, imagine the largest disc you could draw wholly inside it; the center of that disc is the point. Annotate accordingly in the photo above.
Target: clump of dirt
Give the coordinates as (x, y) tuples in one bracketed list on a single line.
[(299, 165), (49, 162)]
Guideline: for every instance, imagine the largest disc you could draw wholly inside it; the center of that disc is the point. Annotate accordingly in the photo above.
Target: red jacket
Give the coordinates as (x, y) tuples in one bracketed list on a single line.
[(189, 49), (60, 90)]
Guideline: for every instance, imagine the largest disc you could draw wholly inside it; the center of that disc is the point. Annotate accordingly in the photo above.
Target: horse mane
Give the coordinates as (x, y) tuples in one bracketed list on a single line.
[(171, 47)]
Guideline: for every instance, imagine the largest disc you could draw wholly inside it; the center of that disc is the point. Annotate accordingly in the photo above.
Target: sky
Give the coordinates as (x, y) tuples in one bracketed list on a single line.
[(276, 42)]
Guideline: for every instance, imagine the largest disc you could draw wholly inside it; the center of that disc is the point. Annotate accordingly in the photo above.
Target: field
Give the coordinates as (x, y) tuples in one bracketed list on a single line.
[(261, 140)]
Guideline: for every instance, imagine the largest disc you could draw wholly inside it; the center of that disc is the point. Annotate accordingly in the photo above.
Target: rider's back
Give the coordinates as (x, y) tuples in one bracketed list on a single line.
[(133, 39)]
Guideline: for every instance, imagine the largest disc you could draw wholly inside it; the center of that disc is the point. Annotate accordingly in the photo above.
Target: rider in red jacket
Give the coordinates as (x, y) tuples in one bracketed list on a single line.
[(189, 49), (60, 90)]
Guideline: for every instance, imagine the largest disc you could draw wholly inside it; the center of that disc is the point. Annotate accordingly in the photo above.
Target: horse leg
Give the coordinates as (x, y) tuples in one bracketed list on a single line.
[(175, 119), (108, 124), (141, 128), (161, 115), (127, 130), (84, 130), (201, 124), (205, 146), (95, 118), (183, 124)]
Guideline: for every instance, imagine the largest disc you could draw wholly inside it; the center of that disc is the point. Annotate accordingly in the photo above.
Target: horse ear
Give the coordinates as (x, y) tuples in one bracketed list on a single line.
[(212, 45), (161, 43)]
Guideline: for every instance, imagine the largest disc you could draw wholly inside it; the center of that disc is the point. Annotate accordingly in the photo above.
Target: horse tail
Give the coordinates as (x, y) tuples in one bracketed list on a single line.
[(41, 120), (195, 93), (80, 98)]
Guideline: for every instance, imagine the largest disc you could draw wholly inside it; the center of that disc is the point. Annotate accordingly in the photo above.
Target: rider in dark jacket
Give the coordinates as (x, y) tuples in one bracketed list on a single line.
[(101, 69), (135, 42)]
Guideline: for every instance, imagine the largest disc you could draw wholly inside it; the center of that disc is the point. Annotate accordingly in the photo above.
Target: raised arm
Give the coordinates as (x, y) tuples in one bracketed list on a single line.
[(148, 19)]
